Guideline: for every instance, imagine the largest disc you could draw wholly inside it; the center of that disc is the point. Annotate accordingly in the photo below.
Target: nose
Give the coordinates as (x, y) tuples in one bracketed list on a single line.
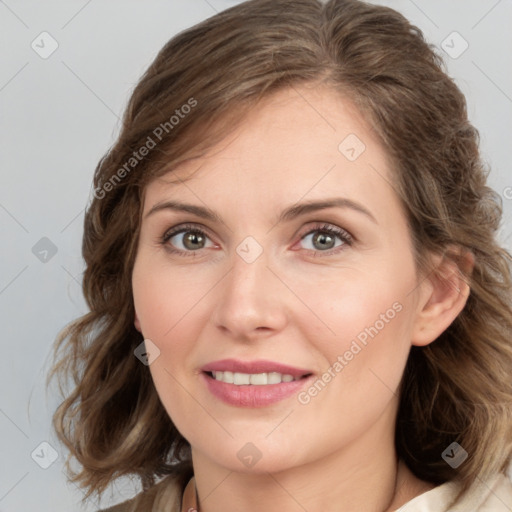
[(252, 300)]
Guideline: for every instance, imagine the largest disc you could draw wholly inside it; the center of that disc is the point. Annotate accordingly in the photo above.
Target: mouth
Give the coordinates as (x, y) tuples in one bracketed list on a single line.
[(255, 383)]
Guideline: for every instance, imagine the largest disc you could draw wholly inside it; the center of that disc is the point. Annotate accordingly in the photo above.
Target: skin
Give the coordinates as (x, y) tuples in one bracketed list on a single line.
[(295, 304)]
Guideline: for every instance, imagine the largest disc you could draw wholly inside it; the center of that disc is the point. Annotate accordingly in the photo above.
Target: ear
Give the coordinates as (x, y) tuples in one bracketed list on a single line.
[(137, 323), (443, 295)]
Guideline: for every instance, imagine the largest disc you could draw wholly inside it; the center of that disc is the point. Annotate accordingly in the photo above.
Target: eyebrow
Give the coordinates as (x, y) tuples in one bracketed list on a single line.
[(288, 214)]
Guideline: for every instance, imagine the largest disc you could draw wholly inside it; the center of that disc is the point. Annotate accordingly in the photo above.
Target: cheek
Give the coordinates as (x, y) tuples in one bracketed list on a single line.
[(168, 305), (360, 327), (353, 306), (164, 298), (361, 365), (170, 321)]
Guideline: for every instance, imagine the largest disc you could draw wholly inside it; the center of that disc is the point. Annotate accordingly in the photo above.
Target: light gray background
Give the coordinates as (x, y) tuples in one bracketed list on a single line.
[(58, 117)]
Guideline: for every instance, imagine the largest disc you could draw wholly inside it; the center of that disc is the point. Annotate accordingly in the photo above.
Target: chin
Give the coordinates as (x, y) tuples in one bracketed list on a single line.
[(258, 457)]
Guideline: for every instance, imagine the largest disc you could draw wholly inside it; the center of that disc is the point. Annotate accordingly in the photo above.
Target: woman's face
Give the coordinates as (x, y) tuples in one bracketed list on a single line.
[(238, 271)]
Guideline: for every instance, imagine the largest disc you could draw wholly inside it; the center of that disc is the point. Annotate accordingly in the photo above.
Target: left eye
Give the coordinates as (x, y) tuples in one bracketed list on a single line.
[(324, 239)]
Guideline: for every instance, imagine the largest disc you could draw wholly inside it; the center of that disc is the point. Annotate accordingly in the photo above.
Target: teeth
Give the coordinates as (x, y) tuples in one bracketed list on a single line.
[(274, 378), (256, 379), (259, 379), (241, 378)]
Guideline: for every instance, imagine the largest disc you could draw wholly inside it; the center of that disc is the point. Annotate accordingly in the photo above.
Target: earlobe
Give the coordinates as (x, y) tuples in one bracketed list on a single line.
[(444, 295)]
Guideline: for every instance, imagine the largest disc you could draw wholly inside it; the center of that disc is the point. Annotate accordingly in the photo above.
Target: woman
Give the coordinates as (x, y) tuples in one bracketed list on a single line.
[(297, 297)]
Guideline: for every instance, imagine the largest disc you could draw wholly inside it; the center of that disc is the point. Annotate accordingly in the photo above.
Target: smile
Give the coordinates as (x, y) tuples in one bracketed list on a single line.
[(253, 383)]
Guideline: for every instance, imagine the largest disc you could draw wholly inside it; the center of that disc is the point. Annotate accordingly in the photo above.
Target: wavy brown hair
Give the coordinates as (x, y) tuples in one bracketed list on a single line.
[(458, 388)]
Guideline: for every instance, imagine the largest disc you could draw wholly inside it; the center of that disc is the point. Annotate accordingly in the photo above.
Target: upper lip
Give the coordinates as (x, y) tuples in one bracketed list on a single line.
[(253, 367)]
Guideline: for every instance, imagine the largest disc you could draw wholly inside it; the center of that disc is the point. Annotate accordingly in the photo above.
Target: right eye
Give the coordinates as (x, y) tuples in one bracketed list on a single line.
[(190, 237)]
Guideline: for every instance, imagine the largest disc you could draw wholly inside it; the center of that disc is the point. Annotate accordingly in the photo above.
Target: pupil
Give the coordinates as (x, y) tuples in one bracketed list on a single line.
[(322, 237)]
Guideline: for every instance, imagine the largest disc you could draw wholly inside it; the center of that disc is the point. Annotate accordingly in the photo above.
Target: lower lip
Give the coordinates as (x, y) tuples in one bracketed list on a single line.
[(253, 396)]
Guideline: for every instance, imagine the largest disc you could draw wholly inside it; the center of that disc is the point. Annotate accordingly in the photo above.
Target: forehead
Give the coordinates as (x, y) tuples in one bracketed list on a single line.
[(298, 142)]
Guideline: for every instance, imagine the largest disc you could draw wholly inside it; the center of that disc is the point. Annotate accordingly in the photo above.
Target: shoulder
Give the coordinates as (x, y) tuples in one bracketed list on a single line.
[(165, 496), (496, 495), (493, 495)]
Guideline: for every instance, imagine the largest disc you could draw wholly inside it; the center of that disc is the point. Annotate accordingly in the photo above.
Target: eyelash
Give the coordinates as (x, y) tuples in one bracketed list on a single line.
[(330, 229)]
